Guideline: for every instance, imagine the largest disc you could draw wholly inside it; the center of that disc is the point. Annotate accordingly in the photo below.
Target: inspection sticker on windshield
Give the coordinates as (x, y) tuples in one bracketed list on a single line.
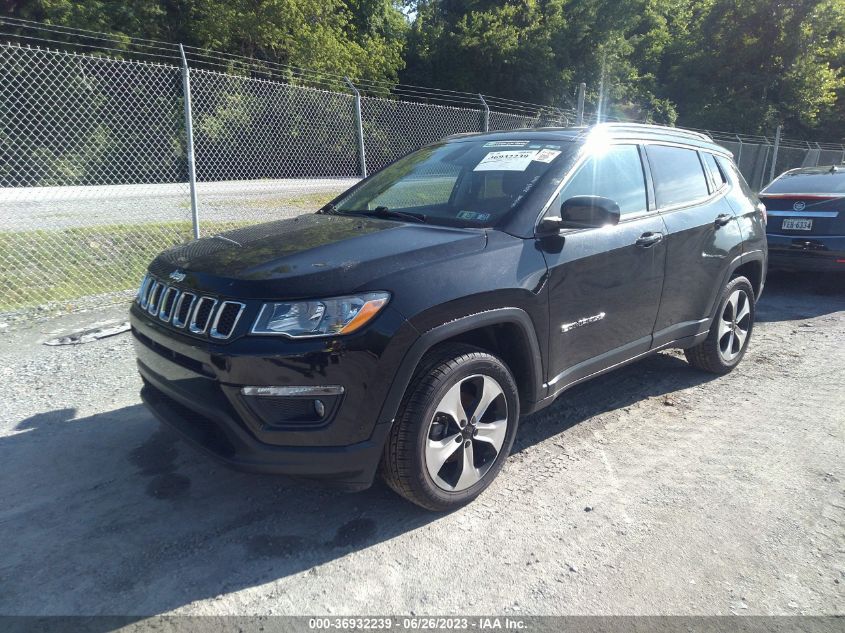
[(506, 144), (546, 155), (509, 160), (473, 215)]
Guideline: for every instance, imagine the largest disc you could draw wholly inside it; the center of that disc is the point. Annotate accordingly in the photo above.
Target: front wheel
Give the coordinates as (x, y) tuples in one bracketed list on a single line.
[(454, 430), (730, 332)]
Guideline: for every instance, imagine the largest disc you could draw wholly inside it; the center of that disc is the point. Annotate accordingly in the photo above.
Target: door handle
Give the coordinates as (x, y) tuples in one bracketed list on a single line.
[(649, 239), (723, 218)]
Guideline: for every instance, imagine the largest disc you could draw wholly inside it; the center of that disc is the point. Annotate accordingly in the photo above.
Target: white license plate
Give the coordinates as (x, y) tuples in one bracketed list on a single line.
[(797, 224)]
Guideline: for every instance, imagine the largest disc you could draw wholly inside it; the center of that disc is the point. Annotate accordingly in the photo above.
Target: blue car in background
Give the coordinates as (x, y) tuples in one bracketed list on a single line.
[(806, 219)]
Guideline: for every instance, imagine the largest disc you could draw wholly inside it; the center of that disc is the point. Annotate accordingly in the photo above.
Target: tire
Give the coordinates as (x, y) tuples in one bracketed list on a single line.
[(725, 344), (428, 448)]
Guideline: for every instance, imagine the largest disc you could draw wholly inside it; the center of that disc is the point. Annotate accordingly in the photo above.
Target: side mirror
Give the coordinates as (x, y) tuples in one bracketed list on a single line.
[(550, 225), (587, 212)]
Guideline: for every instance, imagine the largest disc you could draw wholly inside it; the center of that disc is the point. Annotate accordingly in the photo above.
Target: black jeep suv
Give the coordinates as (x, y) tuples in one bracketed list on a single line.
[(408, 325)]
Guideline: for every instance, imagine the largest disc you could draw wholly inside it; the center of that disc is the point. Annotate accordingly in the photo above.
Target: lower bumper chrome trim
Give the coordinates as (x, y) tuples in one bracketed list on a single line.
[(321, 390)]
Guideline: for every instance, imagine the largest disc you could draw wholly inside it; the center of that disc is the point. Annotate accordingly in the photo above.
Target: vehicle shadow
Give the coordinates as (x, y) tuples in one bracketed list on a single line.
[(112, 514), (654, 376), (790, 296)]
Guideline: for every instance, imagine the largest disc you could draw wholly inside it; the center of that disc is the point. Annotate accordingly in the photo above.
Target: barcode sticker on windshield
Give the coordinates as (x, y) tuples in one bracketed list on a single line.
[(506, 144), (506, 161)]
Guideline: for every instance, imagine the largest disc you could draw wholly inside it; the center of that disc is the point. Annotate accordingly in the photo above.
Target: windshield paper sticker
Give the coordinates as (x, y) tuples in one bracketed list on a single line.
[(546, 155), (472, 215), (506, 144), (507, 161)]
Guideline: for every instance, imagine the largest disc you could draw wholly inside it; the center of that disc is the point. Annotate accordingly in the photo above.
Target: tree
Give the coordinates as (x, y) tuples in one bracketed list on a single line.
[(539, 50), (751, 65), (360, 38)]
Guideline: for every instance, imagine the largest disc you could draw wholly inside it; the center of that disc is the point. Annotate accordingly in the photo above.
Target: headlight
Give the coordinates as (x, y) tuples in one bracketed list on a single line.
[(320, 317)]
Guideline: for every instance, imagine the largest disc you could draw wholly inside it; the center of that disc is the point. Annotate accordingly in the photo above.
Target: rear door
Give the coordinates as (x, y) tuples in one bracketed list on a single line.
[(604, 283), (703, 237)]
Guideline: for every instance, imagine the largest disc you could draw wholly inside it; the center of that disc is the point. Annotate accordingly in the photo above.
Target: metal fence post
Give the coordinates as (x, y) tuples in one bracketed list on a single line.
[(582, 92), (359, 124), (485, 117), (763, 167), (739, 155), (775, 153), (189, 134)]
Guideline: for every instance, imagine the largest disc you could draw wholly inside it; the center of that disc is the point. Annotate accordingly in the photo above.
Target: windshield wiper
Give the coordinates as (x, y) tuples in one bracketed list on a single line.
[(329, 209), (384, 212)]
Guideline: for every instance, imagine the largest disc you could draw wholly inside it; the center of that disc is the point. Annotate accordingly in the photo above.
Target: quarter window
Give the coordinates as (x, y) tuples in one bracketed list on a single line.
[(678, 175), (716, 176), (616, 174)]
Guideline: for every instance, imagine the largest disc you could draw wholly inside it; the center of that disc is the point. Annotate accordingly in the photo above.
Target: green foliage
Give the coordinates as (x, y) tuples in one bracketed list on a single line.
[(743, 65), (753, 64), (364, 39)]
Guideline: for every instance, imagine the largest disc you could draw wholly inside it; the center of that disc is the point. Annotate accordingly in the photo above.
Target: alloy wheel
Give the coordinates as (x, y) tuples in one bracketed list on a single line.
[(466, 433), (734, 324)]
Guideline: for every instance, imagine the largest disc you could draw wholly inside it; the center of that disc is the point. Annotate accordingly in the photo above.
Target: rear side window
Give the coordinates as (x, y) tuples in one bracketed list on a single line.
[(678, 175), (728, 167)]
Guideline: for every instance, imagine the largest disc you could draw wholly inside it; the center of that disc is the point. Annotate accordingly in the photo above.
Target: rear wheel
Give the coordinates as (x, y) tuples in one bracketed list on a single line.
[(730, 332), (454, 430)]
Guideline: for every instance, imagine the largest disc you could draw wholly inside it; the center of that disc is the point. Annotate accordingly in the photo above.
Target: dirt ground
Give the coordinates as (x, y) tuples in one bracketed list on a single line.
[(656, 489)]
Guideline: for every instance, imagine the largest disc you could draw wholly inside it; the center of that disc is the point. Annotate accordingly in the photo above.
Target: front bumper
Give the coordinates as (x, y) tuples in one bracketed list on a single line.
[(195, 387), (809, 253)]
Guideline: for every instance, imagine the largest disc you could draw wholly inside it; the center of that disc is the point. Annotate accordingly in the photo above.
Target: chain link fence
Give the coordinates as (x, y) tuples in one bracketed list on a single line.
[(94, 177), (83, 142)]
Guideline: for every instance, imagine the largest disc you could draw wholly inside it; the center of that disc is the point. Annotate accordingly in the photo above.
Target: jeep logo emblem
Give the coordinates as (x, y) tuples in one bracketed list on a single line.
[(799, 206), (177, 275)]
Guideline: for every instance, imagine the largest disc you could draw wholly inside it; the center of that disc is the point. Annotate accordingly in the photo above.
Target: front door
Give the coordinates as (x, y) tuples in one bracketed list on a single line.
[(604, 283)]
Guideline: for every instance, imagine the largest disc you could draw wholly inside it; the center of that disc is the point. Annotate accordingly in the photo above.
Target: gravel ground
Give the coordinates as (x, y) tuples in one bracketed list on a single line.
[(656, 489)]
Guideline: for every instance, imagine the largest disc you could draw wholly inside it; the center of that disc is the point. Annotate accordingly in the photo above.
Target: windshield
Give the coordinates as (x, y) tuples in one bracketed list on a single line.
[(468, 183)]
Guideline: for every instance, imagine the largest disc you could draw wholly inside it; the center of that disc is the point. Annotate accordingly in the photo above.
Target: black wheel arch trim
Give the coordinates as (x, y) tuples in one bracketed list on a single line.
[(741, 260), (462, 325)]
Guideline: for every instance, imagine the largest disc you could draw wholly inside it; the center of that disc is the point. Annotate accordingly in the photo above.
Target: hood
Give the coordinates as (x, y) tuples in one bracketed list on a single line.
[(311, 255)]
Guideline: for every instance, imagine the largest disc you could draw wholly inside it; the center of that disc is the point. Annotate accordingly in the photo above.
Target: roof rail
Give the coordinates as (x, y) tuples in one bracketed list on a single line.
[(661, 129)]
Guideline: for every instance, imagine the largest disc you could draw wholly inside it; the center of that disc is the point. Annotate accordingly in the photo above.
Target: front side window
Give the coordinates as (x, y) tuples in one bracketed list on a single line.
[(678, 175), (615, 172), (465, 183)]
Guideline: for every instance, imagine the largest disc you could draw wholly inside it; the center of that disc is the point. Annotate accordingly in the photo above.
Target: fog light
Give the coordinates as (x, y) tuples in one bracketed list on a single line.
[(319, 408)]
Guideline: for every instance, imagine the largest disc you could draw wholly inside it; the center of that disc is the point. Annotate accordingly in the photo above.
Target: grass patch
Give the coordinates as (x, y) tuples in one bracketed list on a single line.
[(305, 201), (39, 267)]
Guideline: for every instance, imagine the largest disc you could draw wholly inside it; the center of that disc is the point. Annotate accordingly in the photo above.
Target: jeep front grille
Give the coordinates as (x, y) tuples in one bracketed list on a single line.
[(155, 296), (226, 319), (168, 300), (184, 305), (201, 315)]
